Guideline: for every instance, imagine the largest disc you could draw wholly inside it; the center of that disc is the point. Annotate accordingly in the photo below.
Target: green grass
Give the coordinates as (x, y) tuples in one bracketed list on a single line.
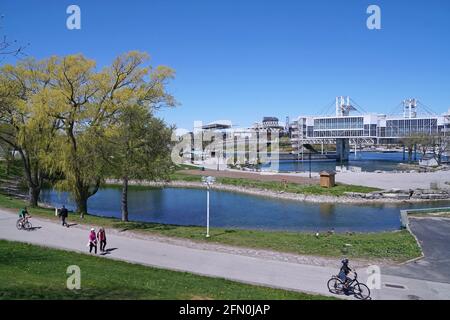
[(397, 246), (34, 272), (310, 189), (184, 166)]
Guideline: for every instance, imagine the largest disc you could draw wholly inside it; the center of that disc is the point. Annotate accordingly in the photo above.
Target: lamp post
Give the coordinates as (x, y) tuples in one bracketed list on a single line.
[(208, 181), (310, 164)]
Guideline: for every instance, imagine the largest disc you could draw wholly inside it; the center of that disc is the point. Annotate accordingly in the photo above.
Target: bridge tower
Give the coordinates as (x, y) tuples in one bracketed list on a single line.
[(343, 108), (409, 108)]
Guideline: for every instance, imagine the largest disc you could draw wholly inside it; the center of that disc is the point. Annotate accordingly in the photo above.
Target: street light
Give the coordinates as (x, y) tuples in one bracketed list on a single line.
[(208, 181), (311, 150)]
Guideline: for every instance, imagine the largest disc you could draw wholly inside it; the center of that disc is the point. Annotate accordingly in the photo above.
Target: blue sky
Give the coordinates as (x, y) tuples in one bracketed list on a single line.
[(242, 60)]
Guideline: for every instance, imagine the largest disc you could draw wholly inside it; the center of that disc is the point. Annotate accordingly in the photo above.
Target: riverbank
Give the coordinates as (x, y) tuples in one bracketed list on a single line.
[(385, 247), (110, 279), (307, 193)]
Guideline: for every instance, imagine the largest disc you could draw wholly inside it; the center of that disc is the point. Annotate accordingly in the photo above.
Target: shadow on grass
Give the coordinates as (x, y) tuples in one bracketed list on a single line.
[(52, 292), (224, 232), (127, 226)]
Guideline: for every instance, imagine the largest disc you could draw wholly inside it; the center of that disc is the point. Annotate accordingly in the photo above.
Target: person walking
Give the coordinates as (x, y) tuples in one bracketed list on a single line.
[(101, 236), (92, 241), (63, 213)]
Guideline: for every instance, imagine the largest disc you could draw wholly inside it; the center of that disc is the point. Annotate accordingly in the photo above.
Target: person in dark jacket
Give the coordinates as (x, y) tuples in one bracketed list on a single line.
[(63, 213), (343, 273), (101, 237)]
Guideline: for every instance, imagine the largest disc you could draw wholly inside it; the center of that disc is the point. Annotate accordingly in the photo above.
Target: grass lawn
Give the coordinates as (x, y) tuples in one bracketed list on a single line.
[(34, 272), (397, 246), (311, 189)]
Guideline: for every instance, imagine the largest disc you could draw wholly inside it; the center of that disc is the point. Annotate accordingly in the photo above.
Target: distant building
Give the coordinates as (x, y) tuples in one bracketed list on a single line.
[(270, 123), (378, 127), (218, 125), (343, 127)]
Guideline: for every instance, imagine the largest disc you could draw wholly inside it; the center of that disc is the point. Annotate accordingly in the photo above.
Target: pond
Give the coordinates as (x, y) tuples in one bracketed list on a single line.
[(367, 161), (234, 210)]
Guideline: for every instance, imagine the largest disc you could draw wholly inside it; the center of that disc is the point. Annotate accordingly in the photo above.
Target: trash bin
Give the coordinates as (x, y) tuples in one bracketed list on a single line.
[(327, 179)]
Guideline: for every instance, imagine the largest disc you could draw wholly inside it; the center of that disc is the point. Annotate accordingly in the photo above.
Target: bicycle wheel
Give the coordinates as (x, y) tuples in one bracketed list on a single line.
[(361, 291), (335, 286), (19, 224), (27, 225)]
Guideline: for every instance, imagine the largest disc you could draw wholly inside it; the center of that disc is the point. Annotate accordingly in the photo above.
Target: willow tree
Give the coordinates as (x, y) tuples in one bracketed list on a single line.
[(7, 152), (24, 124), (88, 104)]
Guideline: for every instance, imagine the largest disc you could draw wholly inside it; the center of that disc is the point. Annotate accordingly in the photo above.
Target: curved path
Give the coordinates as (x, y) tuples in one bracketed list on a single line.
[(434, 236), (254, 270)]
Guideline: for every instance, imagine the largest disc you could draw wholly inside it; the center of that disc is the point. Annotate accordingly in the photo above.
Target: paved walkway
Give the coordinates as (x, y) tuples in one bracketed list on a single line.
[(267, 272), (433, 235), (391, 180)]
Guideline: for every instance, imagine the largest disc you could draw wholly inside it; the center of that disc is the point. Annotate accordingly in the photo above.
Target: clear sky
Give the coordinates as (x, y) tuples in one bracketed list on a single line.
[(245, 59)]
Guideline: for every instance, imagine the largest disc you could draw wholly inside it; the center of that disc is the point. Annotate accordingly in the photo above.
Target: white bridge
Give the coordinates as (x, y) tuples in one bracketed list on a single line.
[(361, 128)]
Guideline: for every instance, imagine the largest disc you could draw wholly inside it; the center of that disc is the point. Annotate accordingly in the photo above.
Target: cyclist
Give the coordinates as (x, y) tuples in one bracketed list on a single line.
[(343, 273), (23, 214)]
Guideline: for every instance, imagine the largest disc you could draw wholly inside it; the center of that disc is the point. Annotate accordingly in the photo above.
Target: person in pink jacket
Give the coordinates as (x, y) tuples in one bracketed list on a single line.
[(92, 241)]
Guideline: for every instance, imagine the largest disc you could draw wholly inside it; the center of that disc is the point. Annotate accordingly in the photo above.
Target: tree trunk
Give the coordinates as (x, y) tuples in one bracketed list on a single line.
[(81, 206), (33, 193), (410, 152), (8, 165), (125, 199)]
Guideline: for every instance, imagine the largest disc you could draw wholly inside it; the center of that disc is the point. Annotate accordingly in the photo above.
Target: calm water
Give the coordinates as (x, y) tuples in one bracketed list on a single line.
[(368, 161), (188, 207)]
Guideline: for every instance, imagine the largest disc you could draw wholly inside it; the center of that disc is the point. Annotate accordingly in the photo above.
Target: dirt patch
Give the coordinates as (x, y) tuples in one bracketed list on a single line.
[(201, 298)]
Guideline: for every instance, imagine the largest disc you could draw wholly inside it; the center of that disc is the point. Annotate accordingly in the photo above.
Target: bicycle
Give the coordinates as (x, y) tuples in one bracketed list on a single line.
[(23, 224), (358, 289)]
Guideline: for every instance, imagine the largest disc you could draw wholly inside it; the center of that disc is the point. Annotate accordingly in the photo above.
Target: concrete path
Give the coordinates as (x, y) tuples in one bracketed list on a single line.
[(391, 180), (433, 235), (279, 274)]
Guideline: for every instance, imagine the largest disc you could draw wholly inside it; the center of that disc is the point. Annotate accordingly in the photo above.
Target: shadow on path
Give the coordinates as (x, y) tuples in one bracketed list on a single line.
[(107, 251)]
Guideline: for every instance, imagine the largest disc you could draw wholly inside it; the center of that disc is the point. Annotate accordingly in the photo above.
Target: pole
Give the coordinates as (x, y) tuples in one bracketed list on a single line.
[(218, 161), (207, 212), (310, 164)]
